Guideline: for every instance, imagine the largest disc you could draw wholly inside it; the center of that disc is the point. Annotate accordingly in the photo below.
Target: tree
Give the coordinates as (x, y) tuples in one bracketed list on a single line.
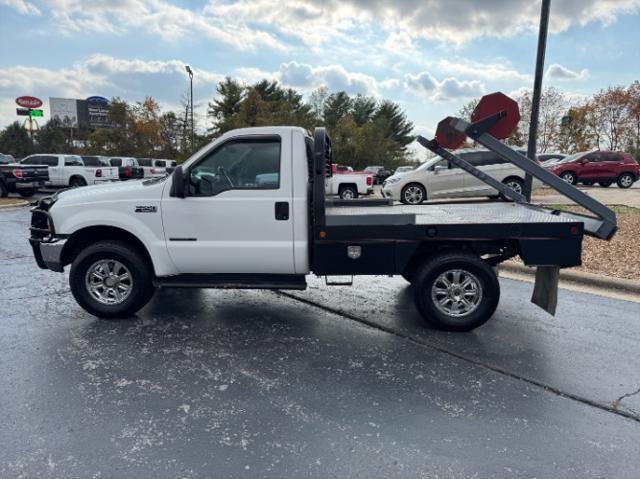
[(553, 105), (363, 109), (15, 141), (337, 106), (611, 114), (223, 109), (317, 100), (55, 137), (634, 118)]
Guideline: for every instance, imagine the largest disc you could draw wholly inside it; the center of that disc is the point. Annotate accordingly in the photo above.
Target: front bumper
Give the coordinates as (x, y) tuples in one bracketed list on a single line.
[(48, 255)]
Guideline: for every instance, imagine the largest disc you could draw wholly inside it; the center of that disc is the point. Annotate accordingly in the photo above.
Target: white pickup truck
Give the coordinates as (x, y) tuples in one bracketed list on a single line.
[(349, 186), (249, 211), (70, 170)]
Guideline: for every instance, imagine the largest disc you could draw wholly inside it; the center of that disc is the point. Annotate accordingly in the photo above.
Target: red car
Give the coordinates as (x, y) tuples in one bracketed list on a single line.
[(603, 167)]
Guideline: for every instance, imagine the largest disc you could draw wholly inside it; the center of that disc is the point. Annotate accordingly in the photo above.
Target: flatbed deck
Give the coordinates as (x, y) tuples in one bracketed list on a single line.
[(443, 214)]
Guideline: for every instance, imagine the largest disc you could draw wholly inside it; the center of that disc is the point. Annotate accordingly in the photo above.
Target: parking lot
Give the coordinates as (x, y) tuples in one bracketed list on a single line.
[(330, 382)]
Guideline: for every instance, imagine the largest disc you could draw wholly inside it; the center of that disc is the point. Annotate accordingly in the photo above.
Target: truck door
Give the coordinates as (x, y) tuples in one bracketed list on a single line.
[(236, 217)]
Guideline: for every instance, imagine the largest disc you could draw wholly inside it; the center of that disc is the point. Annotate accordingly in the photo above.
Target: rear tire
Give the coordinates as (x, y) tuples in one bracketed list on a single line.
[(26, 192), (77, 182), (456, 291), (99, 285), (625, 180), (348, 193), (605, 184), (569, 177), (516, 184), (413, 194)]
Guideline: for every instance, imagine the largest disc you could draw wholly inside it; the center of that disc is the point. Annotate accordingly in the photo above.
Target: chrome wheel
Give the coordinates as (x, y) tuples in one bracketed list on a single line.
[(568, 178), (348, 194), (413, 195), (626, 181), (515, 186), (108, 281), (456, 293)]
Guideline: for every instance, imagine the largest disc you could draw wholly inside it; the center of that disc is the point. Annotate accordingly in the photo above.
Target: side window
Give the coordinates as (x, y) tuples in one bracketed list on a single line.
[(115, 162), (243, 164), (613, 157), (32, 160), (72, 161), (593, 157)]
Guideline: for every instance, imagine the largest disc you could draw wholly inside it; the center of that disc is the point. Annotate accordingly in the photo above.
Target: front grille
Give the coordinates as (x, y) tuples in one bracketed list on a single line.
[(41, 219)]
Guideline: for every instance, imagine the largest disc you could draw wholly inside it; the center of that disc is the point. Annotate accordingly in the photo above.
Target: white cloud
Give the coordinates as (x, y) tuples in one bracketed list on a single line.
[(560, 72), (448, 21), (22, 7), (334, 77), (104, 75), (157, 17), (488, 71), (424, 84)]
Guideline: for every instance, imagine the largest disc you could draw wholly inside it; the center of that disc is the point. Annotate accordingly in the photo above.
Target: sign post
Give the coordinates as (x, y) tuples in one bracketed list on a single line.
[(29, 107)]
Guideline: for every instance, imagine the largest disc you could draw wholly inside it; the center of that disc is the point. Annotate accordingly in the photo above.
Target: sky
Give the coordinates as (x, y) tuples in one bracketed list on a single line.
[(430, 56)]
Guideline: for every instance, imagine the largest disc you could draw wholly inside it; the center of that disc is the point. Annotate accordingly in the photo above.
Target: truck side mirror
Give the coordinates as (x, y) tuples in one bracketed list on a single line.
[(177, 186)]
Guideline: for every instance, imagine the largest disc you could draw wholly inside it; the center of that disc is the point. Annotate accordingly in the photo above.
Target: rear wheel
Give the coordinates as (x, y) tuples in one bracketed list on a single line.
[(348, 193), (456, 292), (605, 184), (625, 180), (413, 194), (77, 182), (112, 280), (569, 177), (516, 184), (26, 192)]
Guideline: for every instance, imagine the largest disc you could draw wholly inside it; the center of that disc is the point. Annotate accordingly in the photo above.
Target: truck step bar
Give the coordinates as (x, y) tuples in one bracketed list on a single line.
[(233, 281)]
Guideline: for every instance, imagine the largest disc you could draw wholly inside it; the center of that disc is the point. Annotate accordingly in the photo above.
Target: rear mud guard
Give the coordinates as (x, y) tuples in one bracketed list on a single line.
[(545, 289)]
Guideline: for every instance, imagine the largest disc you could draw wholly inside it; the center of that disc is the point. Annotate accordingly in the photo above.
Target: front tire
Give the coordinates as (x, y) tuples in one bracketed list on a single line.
[(111, 280), (625, 180), (456, 292), (413, 194), (569, 177)]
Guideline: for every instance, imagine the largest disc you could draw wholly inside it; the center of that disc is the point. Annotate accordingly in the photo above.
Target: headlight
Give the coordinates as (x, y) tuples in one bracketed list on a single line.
[(391, 181)]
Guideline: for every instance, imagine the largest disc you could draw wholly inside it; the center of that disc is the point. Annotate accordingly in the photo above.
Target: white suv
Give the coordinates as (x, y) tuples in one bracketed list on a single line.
[(437, 178)]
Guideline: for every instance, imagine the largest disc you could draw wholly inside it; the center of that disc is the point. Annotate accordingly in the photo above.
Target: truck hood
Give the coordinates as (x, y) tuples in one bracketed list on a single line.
[(109, 192)]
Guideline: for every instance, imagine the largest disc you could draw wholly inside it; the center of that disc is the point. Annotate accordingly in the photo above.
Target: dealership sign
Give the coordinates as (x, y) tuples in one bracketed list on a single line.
[(29, 102), (98, 100)]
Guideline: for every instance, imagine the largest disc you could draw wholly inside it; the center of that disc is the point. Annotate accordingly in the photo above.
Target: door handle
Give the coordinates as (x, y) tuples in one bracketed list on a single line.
[(282, 210)]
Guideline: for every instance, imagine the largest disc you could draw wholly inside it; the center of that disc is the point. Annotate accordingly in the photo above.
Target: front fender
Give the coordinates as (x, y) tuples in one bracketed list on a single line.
[(147, 227)]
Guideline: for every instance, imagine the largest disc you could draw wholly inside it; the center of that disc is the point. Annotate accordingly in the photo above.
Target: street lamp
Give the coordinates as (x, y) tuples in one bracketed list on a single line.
[(190, 73), (537, 92)]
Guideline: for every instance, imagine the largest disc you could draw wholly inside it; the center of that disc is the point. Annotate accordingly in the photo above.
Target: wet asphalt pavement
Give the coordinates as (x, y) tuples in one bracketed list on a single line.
[(330, 382)]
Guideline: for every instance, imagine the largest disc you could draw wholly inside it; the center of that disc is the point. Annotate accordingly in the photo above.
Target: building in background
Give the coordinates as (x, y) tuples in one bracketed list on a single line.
[(81, 114)]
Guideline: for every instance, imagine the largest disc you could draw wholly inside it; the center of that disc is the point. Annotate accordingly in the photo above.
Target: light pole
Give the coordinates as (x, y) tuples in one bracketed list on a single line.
[(537, 92), (190, 73)]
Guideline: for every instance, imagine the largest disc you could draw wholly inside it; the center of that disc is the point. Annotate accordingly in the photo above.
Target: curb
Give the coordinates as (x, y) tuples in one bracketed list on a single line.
[(15, 205), (589, 279)]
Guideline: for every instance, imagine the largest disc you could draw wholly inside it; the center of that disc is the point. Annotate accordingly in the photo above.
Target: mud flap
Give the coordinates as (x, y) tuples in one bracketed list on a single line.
[(545, 290)]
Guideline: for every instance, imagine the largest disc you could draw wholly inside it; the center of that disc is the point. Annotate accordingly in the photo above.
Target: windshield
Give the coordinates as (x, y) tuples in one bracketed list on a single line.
[(571, 158)]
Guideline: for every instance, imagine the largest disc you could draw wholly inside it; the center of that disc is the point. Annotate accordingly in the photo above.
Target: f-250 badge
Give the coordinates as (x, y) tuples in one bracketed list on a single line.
[(146, 209)]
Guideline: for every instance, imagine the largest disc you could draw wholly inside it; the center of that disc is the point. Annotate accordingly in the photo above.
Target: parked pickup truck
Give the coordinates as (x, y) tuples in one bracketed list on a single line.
[(349, 186), (249, 211), (152, 168), (128, 167), (70, 170), (22, 179)]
